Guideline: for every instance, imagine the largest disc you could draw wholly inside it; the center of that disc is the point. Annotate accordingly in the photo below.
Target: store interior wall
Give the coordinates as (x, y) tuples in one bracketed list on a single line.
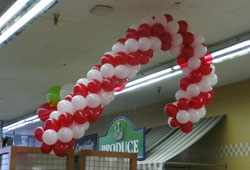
[(228, 143)]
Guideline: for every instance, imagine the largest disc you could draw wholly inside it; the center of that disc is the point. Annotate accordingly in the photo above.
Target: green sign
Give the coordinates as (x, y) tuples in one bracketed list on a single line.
[(121, 136)]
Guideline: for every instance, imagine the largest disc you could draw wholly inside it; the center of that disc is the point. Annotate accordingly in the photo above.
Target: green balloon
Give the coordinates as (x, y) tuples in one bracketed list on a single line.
[(53, 94)]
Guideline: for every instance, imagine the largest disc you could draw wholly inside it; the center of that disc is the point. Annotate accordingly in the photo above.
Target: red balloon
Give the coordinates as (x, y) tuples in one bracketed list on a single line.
[(121, 58), (174, 123), (46, 148), (107, 59), (148, 53), (71, 143), (169, 17), (133, 59), (207, 59), (65, 119), (52, 124), (116, 82), (205, 69), (96, 67), (44, 111), (80, 89), (157, 30), (94, 86), (182, 61), (38, 134), (80, 117), (195, 76), (187, 51), (171, 110), (98, 110), (107, 85), (182, 26), (207, 98), (196, 102), (92, 117), (188, 38), (61, 149), (144, 30), (131, 33), (184, 83), (121, 41), (144, 59), (187, 127), (166, 40), (211, 92), (68, 97), (183, 104)]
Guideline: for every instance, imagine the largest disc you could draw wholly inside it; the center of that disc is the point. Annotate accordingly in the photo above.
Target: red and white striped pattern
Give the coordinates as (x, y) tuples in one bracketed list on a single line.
[(85, 105)]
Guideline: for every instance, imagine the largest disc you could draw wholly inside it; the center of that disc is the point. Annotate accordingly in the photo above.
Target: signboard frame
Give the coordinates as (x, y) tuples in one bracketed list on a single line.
[(132, 127)]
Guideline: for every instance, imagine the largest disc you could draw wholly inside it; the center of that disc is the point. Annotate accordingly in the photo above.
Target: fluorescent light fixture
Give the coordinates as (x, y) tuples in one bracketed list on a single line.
[(151, 81), (21, 123), (231, 56), (39, 7), (12, 11), (151, 76), (231, 48)]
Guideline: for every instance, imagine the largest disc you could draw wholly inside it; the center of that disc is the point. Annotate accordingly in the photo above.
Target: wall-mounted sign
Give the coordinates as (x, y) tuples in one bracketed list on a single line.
[(88, 142), (121, 136)]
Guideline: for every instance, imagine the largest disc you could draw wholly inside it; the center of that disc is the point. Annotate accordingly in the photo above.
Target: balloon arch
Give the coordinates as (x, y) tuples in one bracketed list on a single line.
[(68, 119)]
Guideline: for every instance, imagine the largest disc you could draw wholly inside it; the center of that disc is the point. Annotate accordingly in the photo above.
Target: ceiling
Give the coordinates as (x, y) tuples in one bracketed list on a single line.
[(45, 54)]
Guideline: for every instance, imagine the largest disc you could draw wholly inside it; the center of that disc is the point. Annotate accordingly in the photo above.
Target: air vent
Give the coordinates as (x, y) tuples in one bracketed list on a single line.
[(100, 10)]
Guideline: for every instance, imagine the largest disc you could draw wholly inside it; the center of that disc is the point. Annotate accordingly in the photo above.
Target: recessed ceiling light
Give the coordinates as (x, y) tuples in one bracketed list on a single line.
[(100, 10)]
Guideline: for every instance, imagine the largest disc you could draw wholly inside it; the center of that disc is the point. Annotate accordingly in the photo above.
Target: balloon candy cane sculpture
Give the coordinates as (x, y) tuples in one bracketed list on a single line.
[(85, 105)]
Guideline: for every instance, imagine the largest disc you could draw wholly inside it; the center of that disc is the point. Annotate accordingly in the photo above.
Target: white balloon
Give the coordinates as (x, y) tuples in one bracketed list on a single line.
[(177, 40), (172, 27), (169, 120), (193, 90), (83, 81), (118, 48), (132, 73), (181, 94), (200, 50), (194, 115), (54, 115), (86, 126), (77, 130), (161, 19), (93, 100), (109, 53), (66, 90), (144, 44), (213, 68), (183, 116), (104, 97), (194, 62), (134, 26), (65, 135), (147, 20), (94, 74), (198, 39), (213, 78), (50, 137), (121, 71), (202, 112), (131, 45), (186, 71), (65, 106), (78, 102), (175, 51), (155, 43), (107, 70), (205, 85)]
